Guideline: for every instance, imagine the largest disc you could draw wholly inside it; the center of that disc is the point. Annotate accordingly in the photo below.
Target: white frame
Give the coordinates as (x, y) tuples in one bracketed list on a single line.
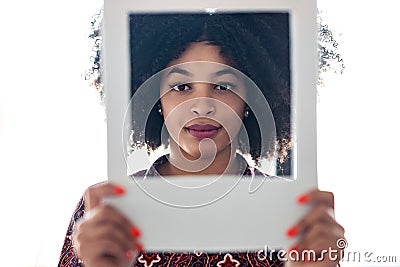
[(136, 204)]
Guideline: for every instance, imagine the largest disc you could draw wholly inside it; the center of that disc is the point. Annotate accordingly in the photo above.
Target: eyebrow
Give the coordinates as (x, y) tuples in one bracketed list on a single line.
[(180, 71), (225, 71), (187, 73)]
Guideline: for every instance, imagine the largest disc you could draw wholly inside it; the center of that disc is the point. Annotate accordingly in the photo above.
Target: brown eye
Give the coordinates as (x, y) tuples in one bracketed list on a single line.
[(224, 86), (180, 87)]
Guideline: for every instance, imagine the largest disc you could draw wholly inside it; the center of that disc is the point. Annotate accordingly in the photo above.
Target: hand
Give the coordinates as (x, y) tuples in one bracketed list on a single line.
[(318, 232), (104, 237)]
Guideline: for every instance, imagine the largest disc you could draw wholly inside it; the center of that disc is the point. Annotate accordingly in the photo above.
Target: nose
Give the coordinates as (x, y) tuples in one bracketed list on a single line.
[(203, 104)]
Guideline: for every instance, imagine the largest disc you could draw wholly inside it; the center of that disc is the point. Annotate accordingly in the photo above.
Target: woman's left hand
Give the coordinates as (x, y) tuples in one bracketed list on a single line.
[(319, 233)]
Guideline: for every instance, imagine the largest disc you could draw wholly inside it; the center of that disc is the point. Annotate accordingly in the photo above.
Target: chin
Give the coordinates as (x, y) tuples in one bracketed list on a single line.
[(195, 154)]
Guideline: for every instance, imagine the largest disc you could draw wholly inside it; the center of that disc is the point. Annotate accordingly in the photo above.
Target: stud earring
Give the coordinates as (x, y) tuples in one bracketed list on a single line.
[(160, 111), (246, 113)]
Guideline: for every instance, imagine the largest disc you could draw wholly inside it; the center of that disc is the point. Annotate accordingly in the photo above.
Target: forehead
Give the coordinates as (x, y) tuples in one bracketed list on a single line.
[(200, 51), (201, 71)]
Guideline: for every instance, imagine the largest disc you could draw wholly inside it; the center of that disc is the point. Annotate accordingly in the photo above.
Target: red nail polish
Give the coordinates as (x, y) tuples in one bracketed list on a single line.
[(129, 254), (118, 190), (139, 247), (291, 232), (294, 248), (135, 232), (302, 199)]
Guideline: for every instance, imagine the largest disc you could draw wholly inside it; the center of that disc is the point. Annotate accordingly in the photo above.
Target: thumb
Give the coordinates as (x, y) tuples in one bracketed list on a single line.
[(95, 194)]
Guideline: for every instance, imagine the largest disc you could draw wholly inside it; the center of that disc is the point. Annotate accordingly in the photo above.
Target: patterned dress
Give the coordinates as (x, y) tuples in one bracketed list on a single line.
[(68, 257)]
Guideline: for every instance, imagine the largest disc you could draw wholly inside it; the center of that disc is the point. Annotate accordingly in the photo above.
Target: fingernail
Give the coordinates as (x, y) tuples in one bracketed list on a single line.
[(118, 190), (129, 254), (291, 232), (302, 199), (138, 247), (135, 232), (294, 248)]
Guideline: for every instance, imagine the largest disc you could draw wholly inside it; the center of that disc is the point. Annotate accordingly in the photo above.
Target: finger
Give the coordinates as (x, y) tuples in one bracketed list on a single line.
[(104, 253), (317, 197), (107, 213), (105, 232), (106, 243), (94, 194), (318, 249), (316, 255), (131, 256), (108, 221), (321, 236), (320, 213), (324, 253)]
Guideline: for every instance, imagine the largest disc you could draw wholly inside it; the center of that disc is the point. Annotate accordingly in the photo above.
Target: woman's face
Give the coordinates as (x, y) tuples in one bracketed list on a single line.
[(202, 100)]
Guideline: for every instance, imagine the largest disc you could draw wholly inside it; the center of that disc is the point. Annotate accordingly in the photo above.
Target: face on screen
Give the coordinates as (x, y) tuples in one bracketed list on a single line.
[(202, 102), (212, 86)]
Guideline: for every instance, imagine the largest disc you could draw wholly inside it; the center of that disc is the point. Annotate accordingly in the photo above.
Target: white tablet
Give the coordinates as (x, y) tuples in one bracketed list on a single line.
[(269, 48)]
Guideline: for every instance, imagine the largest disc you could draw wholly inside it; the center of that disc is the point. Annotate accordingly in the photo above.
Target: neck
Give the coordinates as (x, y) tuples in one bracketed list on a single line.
[(181, 163)]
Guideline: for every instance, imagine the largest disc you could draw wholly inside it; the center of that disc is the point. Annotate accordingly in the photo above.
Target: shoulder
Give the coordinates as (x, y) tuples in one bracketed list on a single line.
[(140, 173), (245, 169), (153, 169)]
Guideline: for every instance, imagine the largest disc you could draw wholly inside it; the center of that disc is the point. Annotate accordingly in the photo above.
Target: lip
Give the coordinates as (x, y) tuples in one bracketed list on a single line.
[(201, 131)]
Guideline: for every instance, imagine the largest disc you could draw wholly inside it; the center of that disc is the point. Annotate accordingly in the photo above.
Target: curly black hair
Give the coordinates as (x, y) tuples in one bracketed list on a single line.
[(257, 44)]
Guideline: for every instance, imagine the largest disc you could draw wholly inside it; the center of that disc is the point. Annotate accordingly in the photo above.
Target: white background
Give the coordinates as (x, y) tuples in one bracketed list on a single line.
[(53, 134)]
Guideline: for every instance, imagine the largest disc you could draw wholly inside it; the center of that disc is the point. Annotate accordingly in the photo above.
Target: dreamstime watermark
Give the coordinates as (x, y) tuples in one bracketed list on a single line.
[(332, 254)]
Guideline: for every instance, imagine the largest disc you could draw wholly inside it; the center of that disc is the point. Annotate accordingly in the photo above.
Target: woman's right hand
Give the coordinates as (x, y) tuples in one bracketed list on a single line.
[(104, 237)]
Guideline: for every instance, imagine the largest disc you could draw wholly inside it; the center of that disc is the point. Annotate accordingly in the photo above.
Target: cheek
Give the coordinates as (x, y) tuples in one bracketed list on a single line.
[(168, 104), (173, 116), (231, 117), (237, 105), (236, 101)]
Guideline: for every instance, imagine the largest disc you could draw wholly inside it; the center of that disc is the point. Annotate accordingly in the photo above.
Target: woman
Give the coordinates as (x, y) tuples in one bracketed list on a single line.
[(191, 109)]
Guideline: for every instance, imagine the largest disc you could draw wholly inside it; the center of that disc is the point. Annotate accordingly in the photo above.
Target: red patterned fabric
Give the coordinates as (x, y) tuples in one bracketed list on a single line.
[(68, 257)]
